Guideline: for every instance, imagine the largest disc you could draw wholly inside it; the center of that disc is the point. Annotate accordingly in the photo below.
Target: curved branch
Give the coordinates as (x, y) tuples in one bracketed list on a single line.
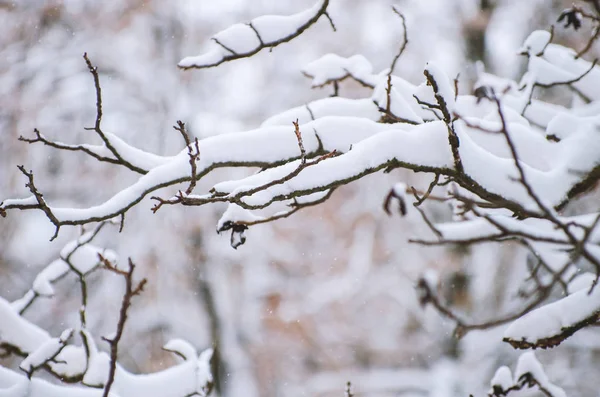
[(259, 27), (97, 128)]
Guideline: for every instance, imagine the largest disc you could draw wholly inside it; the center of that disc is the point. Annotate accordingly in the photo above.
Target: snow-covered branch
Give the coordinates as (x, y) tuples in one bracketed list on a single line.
[(529, 373), (244, 40), (510, 164), (85, 364)]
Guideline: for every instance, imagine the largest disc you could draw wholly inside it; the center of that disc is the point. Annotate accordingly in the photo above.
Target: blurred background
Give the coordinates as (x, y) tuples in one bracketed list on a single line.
[(310, 302)]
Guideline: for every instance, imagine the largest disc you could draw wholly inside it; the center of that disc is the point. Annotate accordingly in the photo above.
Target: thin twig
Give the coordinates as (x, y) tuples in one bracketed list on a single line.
[(131, 290), (97, 125), (263, 44)]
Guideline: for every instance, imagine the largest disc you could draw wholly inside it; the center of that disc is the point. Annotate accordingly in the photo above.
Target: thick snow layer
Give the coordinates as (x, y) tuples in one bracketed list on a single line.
[(235, 213), (502, 378), (528, 364), (135, 156), (540, 228), (332, 106), (246, 39), (266, 145), (23, 201), (534, 149), (445, 89), (536, 42), (485, 158), (498, 174), (331, 67), (48, 350), (560, 65), (186, 378), (42, 285), (189, 377), (528, 369), (239, 38), (554, 318), (13, 384), (402, 99), (400, 108), (17, 331), (273, 28), (424, 145), (551, 168), (182, 348)]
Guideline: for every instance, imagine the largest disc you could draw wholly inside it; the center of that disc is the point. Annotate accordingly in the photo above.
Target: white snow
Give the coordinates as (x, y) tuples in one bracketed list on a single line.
[(528, 364), (535, 43), (16, 331), (502, 378), (331, 67), (182, 348), (552, 319), (332, 106), (273, 28), (45, 352), (445, 89), (13, 384), (243, 40)]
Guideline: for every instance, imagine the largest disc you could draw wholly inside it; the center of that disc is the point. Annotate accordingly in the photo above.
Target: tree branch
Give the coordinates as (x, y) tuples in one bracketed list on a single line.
[(131, 290)]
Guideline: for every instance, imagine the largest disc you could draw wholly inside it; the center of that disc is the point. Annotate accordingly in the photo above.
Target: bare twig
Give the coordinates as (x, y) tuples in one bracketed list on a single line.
[(39, 137), (404, 41), (592, 39), (131, 290), (462, 327), (569, 83), (420, 200), (97, 125), (390, 117), (194, 155), (39, 197), (452, 137)]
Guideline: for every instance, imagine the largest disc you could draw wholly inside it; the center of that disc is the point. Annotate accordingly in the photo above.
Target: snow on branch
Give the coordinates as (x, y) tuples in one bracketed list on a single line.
[(270, 147), (96, 373), (78, 256), (542, 233), (550, 325), (267, 31), (363, 108), (528, 374), (46, 352), (16, 384), (113, 150), (510, 164), (332, 69), (273, 147)]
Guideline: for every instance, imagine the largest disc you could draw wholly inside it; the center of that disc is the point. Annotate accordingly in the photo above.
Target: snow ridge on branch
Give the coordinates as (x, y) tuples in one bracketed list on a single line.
[(94, 372), (267, 31), (507, 163)]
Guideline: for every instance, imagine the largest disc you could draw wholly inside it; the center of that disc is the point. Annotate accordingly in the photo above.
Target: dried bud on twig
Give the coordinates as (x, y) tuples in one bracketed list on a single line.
[(570, 16)]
